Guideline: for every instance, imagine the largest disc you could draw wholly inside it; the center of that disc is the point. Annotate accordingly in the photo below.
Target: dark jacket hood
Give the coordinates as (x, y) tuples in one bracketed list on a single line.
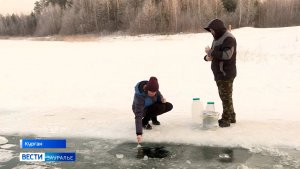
[(218, 26)]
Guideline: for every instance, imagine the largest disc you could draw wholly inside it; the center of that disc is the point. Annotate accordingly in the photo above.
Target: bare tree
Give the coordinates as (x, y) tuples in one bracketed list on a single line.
[(2, 25), (49, 21)]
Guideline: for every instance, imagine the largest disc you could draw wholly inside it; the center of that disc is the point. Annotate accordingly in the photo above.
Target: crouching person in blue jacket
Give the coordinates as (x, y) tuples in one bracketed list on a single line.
[(148, 103)]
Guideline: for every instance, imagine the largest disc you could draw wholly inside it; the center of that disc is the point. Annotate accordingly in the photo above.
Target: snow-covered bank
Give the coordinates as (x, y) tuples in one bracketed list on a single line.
[(86, 89)]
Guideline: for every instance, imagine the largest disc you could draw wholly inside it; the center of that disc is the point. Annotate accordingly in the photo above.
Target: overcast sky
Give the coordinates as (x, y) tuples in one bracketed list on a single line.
[(16, 6)]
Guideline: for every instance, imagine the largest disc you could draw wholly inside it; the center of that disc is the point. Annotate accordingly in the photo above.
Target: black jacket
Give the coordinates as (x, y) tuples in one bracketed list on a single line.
[(140, 102), (223, 51)]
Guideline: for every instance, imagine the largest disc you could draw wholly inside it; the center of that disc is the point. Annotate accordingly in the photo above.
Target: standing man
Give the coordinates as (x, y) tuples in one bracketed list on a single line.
[(148, 103), (222, 55)]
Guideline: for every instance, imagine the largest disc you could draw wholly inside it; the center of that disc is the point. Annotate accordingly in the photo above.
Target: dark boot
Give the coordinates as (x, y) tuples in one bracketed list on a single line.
[(155, 121), (232, 118), (146, 124), (147, 127), (224, 123)]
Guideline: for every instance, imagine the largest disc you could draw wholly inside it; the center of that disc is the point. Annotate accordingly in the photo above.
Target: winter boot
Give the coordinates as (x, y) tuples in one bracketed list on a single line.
[(232, 119), (155, 121), (146, 124), (224, 123), (147, 127)]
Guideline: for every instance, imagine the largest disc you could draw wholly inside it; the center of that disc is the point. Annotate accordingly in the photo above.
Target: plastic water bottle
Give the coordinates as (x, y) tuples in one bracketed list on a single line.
[(210, 116), (197, 109), (210, 106)]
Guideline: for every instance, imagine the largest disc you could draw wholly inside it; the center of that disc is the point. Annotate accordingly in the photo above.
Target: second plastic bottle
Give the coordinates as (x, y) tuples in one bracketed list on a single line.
[(210, 116)]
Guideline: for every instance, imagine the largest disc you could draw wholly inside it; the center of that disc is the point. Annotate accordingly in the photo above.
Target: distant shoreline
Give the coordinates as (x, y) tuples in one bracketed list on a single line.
[(68, 38)]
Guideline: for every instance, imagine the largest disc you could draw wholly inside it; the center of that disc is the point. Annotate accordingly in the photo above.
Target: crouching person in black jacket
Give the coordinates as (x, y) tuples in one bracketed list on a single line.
[(148, 103)]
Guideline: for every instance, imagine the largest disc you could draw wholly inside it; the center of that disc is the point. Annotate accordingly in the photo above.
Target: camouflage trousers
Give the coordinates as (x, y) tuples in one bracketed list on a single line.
[(225, 88)]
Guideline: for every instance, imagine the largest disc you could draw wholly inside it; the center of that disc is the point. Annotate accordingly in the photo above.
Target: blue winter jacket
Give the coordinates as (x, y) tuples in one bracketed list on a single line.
[(140, 102)]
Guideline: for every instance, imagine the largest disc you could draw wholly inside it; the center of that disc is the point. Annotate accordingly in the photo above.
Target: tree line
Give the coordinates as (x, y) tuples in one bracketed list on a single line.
[(71, 17)]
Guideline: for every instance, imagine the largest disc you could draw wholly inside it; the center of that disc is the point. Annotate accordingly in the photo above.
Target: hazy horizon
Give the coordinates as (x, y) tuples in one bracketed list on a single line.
[(16, 6)]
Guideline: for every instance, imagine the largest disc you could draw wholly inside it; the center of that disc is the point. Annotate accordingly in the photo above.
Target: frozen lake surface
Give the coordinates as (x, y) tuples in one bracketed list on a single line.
[(83, 91)]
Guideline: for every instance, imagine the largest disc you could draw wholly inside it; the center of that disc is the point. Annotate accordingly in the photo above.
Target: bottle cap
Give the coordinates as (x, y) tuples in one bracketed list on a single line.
[(196, 98), (210, 102)]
